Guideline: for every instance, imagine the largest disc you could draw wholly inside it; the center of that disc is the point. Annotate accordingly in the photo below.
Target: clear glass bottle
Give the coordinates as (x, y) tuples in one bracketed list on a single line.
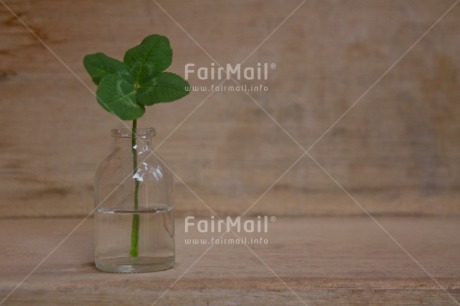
[(134, 217)]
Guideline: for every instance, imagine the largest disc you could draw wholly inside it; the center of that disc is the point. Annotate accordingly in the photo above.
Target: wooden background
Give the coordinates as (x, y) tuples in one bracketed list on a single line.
[(397, 151)]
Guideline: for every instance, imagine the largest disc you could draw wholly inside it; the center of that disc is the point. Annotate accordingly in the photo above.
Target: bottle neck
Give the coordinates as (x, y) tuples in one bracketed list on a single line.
[(138, 141)]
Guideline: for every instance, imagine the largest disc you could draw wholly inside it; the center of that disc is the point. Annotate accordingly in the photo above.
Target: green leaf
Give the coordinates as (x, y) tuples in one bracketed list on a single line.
[(165, 87), (99, 65), (148, 59), (116, 93)]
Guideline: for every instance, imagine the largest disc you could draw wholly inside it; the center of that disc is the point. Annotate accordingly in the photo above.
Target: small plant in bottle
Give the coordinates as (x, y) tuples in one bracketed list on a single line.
[(132, 186)]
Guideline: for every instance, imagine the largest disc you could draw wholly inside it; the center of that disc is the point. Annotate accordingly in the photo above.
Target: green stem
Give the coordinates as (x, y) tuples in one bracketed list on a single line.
[(134, 252)]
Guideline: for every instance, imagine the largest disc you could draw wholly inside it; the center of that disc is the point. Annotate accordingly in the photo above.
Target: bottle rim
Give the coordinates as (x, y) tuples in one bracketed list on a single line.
[(138, 133)]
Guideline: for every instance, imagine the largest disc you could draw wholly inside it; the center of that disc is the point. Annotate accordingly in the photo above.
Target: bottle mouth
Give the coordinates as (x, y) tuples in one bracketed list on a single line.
[(138, 133)]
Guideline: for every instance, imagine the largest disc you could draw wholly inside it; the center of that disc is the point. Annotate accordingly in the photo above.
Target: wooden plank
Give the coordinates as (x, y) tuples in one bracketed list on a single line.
[(323, 260), (397, 151)]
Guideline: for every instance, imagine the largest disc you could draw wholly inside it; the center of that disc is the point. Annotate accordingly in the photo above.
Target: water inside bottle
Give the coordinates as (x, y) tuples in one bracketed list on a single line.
[(156, 249)]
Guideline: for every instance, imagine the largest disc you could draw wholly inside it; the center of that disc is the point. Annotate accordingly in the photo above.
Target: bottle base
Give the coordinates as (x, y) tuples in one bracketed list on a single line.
[(134, 264)]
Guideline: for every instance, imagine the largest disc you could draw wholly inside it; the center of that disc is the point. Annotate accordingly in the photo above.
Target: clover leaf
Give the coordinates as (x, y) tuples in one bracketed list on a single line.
[(116, 93), (165, 87), (125, 88), (149, 58), (99, 65)]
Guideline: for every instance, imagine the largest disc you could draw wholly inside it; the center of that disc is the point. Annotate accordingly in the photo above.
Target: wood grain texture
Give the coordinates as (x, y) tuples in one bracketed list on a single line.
[(397, 152), (325, 261)]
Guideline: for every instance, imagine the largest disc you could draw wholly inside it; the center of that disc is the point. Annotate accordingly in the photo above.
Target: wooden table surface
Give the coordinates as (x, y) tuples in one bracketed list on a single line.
[(309, 260)]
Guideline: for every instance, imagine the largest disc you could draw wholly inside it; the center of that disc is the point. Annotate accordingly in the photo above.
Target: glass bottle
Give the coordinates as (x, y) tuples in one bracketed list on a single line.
[(134, 216)]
